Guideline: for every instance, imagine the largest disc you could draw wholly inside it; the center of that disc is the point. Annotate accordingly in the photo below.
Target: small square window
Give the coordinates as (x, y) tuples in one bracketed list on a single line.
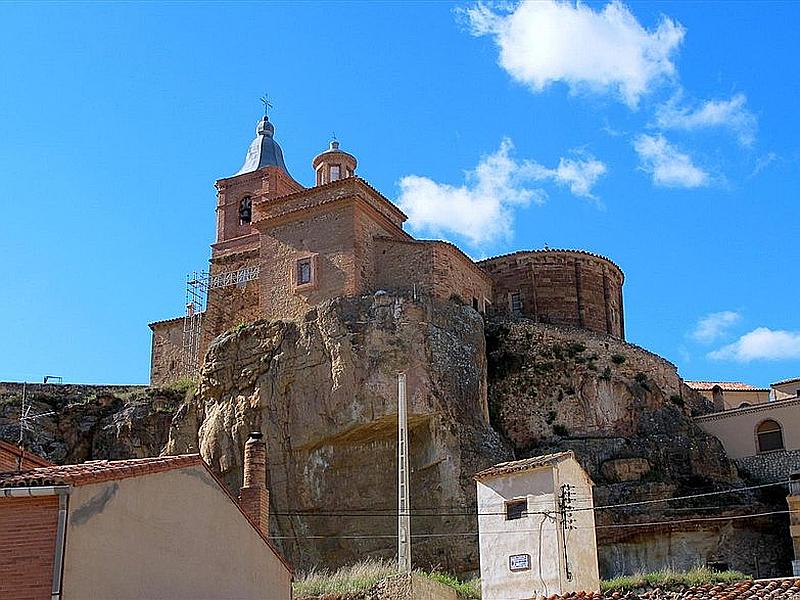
[(516, 509), (304, 271), (516, 303)]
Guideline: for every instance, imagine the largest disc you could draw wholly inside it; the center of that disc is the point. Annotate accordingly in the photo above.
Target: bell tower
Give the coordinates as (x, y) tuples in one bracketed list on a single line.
[(333, 164)]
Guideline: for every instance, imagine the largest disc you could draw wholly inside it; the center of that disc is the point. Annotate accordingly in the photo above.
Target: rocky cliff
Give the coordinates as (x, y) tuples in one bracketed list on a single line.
[(324, 392), (89, 422), (627, 415)]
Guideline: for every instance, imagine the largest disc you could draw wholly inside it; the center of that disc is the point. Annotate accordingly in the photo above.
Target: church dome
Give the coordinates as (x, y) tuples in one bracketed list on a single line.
[(264, 151), (333, 164)]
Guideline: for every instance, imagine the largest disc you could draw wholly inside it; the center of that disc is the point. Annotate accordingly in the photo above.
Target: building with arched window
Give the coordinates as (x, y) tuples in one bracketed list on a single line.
[(763, 439)]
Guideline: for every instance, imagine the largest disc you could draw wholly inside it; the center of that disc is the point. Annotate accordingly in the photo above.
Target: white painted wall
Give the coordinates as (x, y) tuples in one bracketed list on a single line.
[(537, 535), (173, 535)]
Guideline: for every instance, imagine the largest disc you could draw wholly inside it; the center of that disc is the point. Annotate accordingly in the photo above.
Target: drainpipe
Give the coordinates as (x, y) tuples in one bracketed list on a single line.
[(61, 528)]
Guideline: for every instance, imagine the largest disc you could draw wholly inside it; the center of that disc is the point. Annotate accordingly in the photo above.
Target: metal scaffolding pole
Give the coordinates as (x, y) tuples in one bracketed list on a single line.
[(403, 496)]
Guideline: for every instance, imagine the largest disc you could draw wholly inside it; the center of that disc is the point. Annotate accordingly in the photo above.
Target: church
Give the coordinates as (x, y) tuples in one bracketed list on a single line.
[(282, 249)]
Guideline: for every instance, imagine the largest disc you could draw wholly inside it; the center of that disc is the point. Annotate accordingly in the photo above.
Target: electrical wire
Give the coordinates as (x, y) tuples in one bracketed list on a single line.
[(519, 531)]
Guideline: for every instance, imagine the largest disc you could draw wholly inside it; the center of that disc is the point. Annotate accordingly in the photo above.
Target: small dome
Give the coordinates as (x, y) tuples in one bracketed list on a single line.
[(264, 151), (333, 164)]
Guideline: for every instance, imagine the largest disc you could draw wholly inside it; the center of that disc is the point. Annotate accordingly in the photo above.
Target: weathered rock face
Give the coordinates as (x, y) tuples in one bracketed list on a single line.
[(324, 393), (626, 414), (90, 422)]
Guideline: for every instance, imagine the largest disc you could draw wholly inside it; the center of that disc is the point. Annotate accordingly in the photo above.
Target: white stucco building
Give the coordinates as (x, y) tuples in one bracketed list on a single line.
[(536, 527)]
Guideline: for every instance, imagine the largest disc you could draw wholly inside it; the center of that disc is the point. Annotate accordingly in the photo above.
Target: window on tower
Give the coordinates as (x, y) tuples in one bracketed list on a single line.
[(304, 271), (245, 210), (335, 172)]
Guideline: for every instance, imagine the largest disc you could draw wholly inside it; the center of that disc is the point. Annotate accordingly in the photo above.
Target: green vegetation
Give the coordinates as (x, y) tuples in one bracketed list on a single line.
[(470, 590), (560, 430), (617, 359), (183, 385), (676, 400), (575, 348), (353, 582), (669, 579), (606, 374)]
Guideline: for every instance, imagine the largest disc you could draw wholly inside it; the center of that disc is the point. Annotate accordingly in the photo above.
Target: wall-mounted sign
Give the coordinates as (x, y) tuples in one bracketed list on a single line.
[(519, 562)]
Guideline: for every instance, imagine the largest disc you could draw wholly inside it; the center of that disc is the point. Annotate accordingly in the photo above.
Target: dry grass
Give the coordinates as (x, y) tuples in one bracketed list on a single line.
[(347, 582), (354, 581)]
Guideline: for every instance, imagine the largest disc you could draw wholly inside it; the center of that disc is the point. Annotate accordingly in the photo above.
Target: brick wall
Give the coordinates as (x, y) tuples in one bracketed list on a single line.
[(227, 307), (561, 287), (27, 547), (328, 234), (432, 267)]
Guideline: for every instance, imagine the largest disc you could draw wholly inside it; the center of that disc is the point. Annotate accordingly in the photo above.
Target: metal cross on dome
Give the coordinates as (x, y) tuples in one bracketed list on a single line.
[(267, 104)]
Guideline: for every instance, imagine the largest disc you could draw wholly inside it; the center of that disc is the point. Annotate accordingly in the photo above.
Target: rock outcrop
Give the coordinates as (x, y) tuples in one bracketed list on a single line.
[(89, 422), (324, 392), (627, 415)]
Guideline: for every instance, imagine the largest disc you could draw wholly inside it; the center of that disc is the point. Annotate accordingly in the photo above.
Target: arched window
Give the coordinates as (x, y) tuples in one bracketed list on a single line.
[(245, 211), (769, 436)]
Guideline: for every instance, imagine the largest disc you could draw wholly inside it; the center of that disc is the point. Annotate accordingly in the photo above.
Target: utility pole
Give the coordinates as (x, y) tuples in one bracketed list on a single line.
[(403, 501)]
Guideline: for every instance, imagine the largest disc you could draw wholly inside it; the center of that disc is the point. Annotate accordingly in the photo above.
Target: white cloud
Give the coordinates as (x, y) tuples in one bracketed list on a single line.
[(578, 175), (668, 166), (715, 325), (482, 209), (731, 114), (761, 344), (548, 41)]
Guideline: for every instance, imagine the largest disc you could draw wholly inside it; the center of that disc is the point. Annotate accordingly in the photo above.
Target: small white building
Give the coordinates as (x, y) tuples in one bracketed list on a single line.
[(536, 527)]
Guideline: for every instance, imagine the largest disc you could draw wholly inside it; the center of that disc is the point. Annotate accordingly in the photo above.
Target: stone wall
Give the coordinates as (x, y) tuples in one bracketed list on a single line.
[(232, 305), (430, 267), (770, 466), (326, 234), (560, 287), (166, 351)]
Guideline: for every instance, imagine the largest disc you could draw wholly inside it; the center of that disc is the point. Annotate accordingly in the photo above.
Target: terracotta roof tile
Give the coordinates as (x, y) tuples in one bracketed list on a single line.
[(790, 380), (526, 464), (727, 386), (778, 589), (96, 471)]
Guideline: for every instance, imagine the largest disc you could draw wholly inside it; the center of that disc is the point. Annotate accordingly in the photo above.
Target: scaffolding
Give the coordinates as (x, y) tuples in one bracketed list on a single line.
[(196, 298), (198, 285)]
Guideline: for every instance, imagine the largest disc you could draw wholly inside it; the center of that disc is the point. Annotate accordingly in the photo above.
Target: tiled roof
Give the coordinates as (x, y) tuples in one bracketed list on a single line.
[(726, 386), (526, 464), (777, 589), (790, 380), (27, 457), (164, 321), (97, 471), (760, 407)]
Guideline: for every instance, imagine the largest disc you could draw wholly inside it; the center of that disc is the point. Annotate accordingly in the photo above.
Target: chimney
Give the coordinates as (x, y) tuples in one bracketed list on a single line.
[(254, 497)]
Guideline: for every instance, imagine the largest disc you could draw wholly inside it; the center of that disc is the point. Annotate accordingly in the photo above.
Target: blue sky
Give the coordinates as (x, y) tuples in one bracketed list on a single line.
[(662, 134)]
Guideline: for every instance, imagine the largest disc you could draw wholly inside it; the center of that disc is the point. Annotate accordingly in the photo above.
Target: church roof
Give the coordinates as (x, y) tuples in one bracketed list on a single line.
[(264, 151)]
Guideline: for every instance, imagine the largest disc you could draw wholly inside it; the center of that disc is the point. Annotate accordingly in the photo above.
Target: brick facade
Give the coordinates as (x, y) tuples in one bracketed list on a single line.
[(561, 287), (27, 546), (347, 239)]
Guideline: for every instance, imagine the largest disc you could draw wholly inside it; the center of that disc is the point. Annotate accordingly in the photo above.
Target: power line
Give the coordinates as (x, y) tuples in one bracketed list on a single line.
[(465, 512), (518, 531)]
